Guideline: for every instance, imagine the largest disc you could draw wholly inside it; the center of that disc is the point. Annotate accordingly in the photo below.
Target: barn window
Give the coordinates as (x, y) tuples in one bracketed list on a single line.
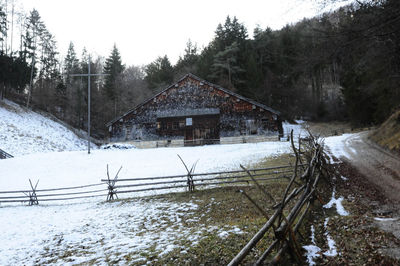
[(248, 127), (181, 124), (169, 125), (158, 125), (189, 121)]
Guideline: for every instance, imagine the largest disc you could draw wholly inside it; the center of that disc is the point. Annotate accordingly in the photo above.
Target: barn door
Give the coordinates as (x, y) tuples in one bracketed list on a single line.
[(188, 136)]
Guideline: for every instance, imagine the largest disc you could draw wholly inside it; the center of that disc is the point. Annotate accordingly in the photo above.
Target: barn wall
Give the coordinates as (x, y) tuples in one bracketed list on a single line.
[(190, 94)]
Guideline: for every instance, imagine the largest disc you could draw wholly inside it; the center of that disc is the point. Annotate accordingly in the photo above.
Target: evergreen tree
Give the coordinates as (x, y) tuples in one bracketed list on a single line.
[(226, 67), (113, 67), (229, 49), (159, 73), (187, 63), (71, 63), (3, 30)]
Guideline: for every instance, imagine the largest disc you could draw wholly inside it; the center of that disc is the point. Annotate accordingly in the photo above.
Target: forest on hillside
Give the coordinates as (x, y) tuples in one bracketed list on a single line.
[(342, 65)]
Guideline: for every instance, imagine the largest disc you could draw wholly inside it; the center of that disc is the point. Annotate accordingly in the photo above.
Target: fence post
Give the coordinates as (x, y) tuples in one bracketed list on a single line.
[(111, 186), (190, 181), (33, 200)]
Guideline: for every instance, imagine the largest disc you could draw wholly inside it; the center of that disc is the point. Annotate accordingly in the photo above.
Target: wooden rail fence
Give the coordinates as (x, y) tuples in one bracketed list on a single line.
[(291, 209), (193, 180), (110, 188), (34, 196)]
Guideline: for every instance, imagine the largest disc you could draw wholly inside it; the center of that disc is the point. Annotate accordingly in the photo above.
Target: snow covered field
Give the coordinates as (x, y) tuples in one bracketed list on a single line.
[(94, 231), (24, 132), (100, 232), (60, 169)]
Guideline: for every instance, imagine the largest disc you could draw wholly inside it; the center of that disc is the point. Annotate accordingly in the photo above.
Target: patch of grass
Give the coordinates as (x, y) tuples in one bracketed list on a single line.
[(9, 107), (213, 233), (220, 211), (334, 128), (388, 134)]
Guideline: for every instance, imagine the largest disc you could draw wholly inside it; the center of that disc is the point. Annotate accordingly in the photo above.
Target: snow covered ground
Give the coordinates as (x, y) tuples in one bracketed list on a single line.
[(24, 132), (100, 232), (95, 231), (60, 169)]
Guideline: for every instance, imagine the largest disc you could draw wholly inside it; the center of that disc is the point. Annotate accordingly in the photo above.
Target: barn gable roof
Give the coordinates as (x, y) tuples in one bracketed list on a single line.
[(189, 75)]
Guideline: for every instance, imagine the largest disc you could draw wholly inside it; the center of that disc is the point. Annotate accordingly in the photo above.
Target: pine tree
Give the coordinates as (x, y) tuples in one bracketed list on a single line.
[(159, 73), (187, 63), (3, 30), (113, 68), (71, 63), (226, 67)]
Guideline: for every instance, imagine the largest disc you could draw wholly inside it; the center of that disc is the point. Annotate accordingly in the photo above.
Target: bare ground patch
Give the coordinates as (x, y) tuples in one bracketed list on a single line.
[(360, 237)]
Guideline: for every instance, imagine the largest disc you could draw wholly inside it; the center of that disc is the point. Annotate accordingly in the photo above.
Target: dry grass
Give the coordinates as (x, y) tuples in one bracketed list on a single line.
[(222, 208), (326, 129), (388, 134), (9, 107)]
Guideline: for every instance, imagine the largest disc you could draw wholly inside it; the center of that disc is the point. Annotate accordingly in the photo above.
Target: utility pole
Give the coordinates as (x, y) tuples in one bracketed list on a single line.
[(88, 75)]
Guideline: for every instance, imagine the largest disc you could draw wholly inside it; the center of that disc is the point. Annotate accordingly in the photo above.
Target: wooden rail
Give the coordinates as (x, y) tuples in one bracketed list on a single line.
[(286, 221), (5, 155), (121, 186), (34, 196), (116, 186)]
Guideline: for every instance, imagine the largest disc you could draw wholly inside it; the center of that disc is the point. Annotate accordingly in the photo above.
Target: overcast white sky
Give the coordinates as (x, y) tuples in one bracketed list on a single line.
[(143, 30)]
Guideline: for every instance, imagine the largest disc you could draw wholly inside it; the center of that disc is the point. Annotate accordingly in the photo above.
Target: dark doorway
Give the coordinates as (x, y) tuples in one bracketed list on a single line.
[(188, 136)]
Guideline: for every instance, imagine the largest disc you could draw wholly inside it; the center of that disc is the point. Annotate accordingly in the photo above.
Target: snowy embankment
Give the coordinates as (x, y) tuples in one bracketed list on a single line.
[(23, 131)]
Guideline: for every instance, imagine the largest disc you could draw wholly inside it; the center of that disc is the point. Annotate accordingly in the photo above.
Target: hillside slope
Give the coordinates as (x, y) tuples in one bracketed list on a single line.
[(23, 131), (388, 134)]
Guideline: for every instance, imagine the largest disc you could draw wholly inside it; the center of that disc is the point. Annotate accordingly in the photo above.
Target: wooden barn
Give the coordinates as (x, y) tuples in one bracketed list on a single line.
[(198, 112)]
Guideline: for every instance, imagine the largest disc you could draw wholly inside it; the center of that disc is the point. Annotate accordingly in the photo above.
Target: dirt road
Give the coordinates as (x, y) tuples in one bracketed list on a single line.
[(382, 170), (379, 166)]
